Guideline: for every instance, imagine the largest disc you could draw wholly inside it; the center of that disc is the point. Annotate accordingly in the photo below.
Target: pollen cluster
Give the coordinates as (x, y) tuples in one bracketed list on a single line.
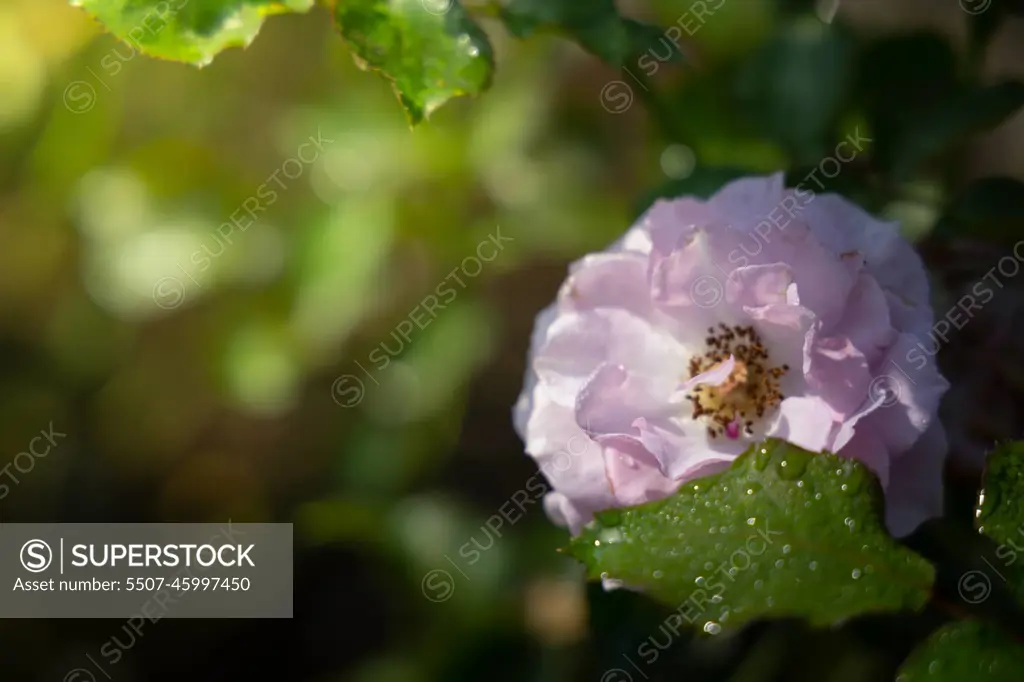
[(750, 390)]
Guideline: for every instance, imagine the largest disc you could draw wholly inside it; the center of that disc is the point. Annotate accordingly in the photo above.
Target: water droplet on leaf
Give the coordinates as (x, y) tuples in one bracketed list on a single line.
[(794, 465), (712, 628), (762, 458)]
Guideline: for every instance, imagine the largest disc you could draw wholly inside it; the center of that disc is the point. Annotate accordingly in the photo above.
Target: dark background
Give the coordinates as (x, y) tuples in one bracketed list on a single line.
[(219, 399)]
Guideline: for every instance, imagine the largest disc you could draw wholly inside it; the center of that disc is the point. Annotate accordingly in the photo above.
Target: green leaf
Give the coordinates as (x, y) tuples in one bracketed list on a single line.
[(783, 532), (795, 87), (990, 208), (999, 514), (966, 650), (431, 50), (974, 111), (595, 24), (191, 31)]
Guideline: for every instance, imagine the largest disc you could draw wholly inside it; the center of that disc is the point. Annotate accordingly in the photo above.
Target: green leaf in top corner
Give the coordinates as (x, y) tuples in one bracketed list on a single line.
[(431, 50), (999, 514), (781, 533), (966, 650), (191, 31)]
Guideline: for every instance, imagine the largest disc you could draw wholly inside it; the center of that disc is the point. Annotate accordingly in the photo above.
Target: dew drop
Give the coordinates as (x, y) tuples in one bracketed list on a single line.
[(794, 465), (712, 628), (657, 574), (813, 565), (708, 566), (779, 563), (751, 521), (786, 549), (761, 459), (853, 484), (758, 584), (988, 500), (699, 582), (855, 574)]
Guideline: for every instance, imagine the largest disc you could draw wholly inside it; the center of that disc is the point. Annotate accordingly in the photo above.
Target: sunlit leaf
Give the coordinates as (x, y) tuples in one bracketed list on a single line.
[(431, 50), (781, 533), (192, 31)]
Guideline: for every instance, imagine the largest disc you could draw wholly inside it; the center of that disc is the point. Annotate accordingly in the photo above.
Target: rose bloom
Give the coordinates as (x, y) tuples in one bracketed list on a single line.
[(711, 325)]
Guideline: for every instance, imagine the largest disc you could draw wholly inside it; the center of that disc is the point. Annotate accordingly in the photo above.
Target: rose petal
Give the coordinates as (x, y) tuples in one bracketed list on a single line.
[(804, 422)]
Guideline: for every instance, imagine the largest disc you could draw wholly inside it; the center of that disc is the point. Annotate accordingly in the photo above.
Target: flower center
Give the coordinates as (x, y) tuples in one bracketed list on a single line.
[(751, 389)]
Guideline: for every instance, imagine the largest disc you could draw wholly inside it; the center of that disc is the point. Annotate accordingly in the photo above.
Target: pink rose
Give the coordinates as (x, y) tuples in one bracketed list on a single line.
[(710, 325)]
